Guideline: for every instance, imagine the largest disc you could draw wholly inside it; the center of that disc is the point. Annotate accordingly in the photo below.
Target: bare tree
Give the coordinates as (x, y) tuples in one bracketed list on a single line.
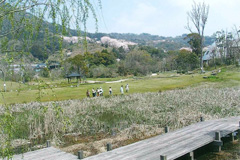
[(198, 16), (220, 41), (236, 44)]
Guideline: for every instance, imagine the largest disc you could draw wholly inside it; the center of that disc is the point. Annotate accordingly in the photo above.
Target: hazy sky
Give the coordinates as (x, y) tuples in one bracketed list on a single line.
[(162, 17)]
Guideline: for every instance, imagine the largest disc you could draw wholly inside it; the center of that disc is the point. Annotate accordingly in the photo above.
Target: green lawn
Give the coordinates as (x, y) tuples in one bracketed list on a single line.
[(63, 91)]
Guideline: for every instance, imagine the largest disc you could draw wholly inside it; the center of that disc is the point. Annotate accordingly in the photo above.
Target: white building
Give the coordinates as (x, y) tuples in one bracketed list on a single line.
[(211, 52)]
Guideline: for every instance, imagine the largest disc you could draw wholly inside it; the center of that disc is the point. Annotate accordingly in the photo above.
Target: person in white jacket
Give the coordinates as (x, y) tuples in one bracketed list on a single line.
[(127, 88), (93, 92), (101, 91), (110, 90), (121, 89)]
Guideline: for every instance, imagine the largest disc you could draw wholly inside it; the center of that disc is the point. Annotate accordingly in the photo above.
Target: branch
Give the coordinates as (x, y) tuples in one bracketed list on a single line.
[(22, 9), (2, 1), (13, 30), (188, 26), (195, 15), (9, 51), (204, 16)]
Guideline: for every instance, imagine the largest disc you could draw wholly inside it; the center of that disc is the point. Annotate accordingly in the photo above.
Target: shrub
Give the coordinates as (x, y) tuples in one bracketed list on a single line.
[(45, 72), (103, 72)]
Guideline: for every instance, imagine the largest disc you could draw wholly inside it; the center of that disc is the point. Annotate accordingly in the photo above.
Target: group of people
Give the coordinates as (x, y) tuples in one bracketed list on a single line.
[(99, 91), (126, 87), (95, 93)]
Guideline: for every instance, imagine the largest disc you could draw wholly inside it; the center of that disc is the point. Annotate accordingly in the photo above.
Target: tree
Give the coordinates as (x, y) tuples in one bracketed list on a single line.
[(221, 43), (155, 52), (138, 62), (236, 45), (194, 40), (228, 44), (38, 51), (198, 16), (186, 60), (79, 64), (104, 57), (119, 52)]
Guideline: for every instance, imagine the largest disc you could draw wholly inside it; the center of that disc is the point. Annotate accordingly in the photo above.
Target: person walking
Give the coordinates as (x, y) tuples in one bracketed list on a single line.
[(93, 92), (88, 94), (97, 92), (110, 91), (121, 89), (127, 88), (101, 91)]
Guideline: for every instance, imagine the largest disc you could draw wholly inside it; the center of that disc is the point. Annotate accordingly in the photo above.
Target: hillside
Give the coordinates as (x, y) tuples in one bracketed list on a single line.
[(99, 41), (45, 42)]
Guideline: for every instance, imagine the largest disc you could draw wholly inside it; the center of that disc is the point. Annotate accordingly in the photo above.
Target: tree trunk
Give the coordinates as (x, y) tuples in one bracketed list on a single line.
[(202, 41)]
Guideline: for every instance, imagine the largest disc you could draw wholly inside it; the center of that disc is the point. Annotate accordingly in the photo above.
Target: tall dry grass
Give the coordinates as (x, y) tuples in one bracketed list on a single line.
[(126, 117)]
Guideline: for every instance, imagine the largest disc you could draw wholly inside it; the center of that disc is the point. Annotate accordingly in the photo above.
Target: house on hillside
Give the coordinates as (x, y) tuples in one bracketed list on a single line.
[(227, 51), (186, 49), (54, 65), (39, 67), (211, 52)]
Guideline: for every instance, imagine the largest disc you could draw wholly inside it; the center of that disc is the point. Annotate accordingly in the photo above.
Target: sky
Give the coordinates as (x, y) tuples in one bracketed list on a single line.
[(162, 17)]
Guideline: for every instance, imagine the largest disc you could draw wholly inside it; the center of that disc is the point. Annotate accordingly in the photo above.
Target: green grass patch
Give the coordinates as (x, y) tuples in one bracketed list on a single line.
[(110, 117), (61, 90), (215, 79)]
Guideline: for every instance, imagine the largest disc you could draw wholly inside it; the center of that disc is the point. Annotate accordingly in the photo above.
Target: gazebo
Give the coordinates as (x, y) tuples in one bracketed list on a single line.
[(73, 75)]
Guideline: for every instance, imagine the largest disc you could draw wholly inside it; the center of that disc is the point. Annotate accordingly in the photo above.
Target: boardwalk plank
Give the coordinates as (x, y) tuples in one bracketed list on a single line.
[(186, 146), (49, 153), (164, 149), (152, 143), (163, 141)]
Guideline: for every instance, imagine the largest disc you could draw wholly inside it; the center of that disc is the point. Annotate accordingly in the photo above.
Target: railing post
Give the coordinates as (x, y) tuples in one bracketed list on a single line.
[(190, 156), (238, 136), (239, 133), (48, 143), (80, 154), (163, 157), (217, 136), (166, 129), (232, 137), (109, 146), (217, 142)]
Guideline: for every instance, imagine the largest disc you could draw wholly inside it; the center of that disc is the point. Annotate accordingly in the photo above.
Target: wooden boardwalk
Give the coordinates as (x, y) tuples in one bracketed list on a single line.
[(49, 153), (175, 144)]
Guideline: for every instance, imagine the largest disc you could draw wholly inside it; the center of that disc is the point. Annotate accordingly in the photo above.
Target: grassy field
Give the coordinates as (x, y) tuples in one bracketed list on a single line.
[(47, 90)]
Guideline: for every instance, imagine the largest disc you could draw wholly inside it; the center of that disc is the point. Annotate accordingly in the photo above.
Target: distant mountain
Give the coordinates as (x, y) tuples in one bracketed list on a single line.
[(168, 43)]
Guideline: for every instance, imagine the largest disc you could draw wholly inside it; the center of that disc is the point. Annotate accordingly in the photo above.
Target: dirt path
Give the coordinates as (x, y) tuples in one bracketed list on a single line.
[(122, 80)]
